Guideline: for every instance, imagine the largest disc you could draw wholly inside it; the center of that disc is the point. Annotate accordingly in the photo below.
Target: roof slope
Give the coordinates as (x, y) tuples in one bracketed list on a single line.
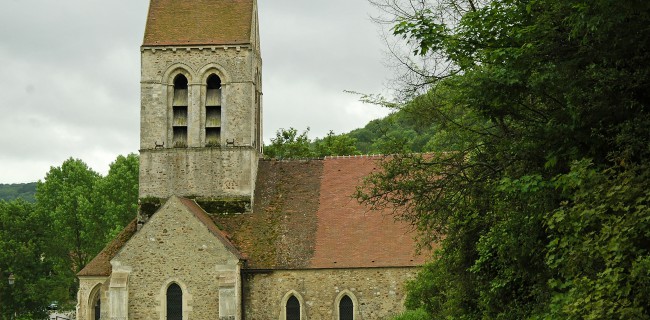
[(101, 264), (349, 234), (198, 22), (305, 217)]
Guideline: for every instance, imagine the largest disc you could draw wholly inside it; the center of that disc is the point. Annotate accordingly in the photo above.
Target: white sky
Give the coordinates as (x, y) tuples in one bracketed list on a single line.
[(69, 83)]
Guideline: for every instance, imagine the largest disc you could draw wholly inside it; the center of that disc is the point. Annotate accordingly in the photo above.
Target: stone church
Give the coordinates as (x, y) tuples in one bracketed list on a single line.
[(222, 233)]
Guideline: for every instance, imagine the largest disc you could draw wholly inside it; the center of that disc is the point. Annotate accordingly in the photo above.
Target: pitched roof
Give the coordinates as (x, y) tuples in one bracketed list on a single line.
[(303, 217), (101, 264), (198, 22)]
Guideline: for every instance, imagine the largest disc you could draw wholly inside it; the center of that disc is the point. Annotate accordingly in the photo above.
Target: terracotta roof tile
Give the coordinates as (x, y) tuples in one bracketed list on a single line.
[(101, 264), (349, 234), (303, 217), (198, 22)]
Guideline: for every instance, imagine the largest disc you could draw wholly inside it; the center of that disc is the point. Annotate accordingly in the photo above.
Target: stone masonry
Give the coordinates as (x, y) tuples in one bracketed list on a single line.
[(379, 292)]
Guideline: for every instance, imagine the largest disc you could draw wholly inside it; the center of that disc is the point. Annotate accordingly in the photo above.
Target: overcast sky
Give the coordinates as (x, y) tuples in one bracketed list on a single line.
[(69, 85)]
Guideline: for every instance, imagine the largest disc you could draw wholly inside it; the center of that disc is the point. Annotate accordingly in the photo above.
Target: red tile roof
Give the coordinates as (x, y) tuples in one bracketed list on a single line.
[(101, 264), (304, 217), (349, 234), (216, 22)]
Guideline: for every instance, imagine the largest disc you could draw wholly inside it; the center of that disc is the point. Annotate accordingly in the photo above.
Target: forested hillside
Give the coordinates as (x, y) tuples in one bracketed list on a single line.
[(13, 191)]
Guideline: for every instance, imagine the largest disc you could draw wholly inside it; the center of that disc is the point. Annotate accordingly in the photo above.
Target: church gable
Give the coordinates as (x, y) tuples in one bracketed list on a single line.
[(182, 248)]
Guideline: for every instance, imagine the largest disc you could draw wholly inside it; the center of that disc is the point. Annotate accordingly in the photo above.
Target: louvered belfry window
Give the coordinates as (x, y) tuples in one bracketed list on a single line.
[(174, 302), (213, 111), (179, 110), (293, 309), (346, 309)]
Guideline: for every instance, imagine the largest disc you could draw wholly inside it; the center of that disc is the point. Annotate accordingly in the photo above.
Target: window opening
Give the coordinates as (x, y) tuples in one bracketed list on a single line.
[(179, 112), (97, 307), (293, 309), (213, 111), (346, 309), (174, 302)]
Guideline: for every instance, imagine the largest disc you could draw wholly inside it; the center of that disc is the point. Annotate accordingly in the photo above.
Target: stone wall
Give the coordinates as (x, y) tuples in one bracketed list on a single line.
[(89, 287), (175, 247), (235, 66), (188, 171), (198, 172), (378, 293)]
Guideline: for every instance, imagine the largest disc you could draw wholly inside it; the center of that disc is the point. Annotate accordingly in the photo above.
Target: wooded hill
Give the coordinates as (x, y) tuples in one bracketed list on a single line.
[(13, 191)]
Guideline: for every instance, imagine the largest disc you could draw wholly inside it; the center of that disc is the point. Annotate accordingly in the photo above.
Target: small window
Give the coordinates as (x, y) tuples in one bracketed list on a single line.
[(174, 302), (346, 309), (293, 309), (97, 308), (213, 111), (179, 112)]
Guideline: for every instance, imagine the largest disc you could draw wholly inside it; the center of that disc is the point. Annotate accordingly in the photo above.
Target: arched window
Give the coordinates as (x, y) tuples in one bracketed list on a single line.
[(174, 302), (213, 111), (293, 309), (346, 308), (98, 308), (96, 304), (179, 109)]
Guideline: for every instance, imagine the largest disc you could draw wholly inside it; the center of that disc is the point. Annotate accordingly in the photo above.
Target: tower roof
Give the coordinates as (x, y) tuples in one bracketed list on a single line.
[(199, 22)]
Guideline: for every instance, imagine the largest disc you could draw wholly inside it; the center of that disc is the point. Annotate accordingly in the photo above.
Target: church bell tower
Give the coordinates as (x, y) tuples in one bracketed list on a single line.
[(201, 90)]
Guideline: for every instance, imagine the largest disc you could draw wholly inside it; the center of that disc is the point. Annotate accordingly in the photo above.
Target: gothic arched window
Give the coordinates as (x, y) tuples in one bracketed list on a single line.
[(179, 109), (293, 309), (346, 308), (213, 111), (174, 302)]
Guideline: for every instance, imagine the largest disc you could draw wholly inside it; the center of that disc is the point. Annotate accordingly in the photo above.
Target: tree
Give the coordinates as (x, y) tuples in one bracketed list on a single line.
[(24, 253), (289, 144), (540, 201), (116, 195), (65, 196), (335, 145)]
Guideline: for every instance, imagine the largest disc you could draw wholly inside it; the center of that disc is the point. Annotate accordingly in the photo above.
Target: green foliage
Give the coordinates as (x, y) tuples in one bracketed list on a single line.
[(24, 252), (417, 314), (538, 185), (332, 145), (288, 144), (13, 191), (116, 195)]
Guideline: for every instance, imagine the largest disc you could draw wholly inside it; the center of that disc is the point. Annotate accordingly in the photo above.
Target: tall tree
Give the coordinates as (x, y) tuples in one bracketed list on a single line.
[(542, 203), (66, 197), (25, 245), (116, 195)]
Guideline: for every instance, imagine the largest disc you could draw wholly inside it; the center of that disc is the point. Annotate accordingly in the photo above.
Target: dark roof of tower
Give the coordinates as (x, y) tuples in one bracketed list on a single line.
[(199, 22)]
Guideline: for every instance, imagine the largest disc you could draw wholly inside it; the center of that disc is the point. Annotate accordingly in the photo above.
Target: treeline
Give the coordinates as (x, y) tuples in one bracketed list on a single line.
[(13, 191), (400, 131), (45, 243), (542, 202)]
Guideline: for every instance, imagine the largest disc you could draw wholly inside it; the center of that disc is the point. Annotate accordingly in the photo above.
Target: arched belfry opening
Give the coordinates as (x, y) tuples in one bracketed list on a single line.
[(179, 110), (213, 100)]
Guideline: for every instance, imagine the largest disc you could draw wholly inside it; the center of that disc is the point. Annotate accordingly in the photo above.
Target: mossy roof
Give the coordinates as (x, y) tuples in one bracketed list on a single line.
[(199, 22), (304, 217)]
